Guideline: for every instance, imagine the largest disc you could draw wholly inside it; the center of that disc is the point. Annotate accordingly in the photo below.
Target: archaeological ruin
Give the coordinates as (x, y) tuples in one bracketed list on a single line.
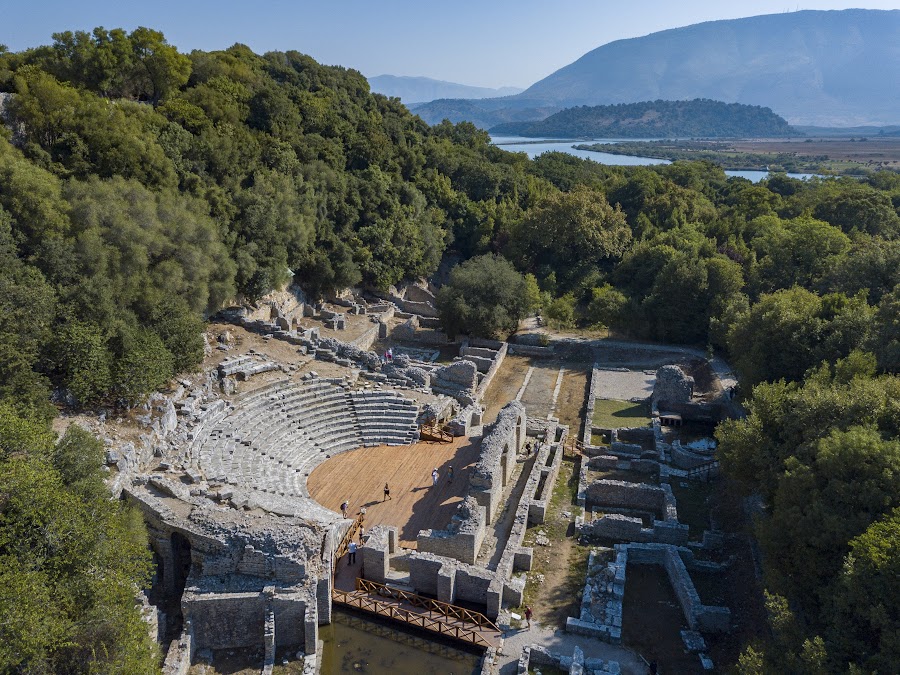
[(349, 455)]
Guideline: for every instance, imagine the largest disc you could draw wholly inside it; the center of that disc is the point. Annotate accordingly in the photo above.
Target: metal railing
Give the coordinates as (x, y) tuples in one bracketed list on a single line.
[(704, 472)]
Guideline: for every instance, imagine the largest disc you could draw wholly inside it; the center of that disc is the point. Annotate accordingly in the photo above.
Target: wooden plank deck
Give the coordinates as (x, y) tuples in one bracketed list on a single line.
[(359, 477)]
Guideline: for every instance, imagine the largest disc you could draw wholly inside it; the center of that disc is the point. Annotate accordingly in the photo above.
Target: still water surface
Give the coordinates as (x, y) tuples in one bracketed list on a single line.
[(357, 645), (536, 146)]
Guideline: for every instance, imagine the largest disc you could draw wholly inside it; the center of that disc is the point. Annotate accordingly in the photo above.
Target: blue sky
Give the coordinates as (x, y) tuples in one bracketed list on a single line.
[(486, 43)]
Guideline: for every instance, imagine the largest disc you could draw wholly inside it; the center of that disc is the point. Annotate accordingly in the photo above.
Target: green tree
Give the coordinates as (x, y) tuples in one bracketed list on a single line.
[(867, 615), (569, 232), (141, 364), (82, 362), (71, 559), (160, 69), (485, 296)]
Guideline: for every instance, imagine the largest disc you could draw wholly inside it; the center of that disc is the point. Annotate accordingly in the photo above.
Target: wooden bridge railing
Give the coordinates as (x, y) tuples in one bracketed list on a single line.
[(392, 611), (344, 546), (574, 446), (444, 608), (435, 432)]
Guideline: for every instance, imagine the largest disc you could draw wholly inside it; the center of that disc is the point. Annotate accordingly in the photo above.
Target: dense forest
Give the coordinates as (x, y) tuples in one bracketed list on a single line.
[(142, 188), (700, 118)]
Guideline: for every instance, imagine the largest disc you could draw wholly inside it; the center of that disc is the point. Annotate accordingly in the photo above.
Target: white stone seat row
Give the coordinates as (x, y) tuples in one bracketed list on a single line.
[(278, 434)]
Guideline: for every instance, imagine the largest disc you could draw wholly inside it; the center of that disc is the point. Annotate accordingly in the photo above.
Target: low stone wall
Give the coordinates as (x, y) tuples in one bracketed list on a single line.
[(492, 370), (453, 581), (600, 615), (380, 543), (619, 527), (411, 331), (594, 391), (181, 652), (531, 350), (548, 463), (637, 435), (615, 463), (366, 340), (640, 496), (537, 655), (707, 413), (458, 379), (461, 539), (708, 618)]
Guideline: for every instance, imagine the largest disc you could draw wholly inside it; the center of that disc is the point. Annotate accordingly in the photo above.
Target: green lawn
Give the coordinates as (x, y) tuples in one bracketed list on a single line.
[(612, 414)]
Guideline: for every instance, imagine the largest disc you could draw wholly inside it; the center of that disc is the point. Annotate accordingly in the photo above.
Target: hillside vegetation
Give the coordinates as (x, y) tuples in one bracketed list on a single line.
[(142, 188), (655, 119)]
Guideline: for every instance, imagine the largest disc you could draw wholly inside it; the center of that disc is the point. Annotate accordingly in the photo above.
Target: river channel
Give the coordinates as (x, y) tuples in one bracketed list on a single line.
[(354, 645), (537, 146)]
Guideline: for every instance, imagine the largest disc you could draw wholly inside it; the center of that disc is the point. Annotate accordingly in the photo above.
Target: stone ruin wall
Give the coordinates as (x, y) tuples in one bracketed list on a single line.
[(499, 448), (708, 618), (462, 538), (672, 387), (601, 606), (640, 497)]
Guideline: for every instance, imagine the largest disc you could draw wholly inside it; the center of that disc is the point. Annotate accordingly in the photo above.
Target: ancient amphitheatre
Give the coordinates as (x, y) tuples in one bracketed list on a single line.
[(241, 471)]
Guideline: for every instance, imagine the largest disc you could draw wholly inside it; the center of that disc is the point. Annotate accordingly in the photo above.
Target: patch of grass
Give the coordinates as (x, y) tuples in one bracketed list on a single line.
[(612, 414)]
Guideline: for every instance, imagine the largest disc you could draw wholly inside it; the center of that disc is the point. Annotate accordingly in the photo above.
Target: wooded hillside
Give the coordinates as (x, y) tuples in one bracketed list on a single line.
[(141, 188), (655, 119)]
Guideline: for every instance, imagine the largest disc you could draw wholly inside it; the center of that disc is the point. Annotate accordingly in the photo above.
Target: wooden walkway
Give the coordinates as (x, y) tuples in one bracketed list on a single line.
[(416, 610), (358, 476)]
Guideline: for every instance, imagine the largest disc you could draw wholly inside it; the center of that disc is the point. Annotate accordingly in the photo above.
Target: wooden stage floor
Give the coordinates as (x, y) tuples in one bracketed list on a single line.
[(359, 477)]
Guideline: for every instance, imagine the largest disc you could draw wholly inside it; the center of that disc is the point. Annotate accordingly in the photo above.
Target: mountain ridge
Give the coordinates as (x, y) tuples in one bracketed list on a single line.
[(411, 89), (812, 67)]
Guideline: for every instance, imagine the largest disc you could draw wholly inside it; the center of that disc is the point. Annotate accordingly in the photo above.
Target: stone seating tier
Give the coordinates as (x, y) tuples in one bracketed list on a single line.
[(273, 439)]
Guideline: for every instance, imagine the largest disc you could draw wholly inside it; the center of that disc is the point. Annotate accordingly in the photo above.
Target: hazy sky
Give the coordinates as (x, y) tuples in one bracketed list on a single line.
[(484, 42)]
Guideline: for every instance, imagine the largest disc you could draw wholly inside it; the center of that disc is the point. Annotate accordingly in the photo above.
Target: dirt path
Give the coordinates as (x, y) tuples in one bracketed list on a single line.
[(538, 396), (505, 385), (570, 405)]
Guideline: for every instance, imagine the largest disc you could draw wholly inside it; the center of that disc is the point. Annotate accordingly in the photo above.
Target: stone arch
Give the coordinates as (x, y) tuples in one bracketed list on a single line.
[(181, 562), (521, 431)]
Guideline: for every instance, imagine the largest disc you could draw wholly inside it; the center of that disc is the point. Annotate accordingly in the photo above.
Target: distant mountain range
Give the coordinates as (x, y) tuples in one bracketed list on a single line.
[(419, 89), (655, 119), (823, 68)]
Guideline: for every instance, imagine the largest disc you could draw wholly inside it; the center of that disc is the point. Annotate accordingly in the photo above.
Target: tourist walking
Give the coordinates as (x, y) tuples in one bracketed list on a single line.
[(528, 615), (450, 474), (352, 553), (387, 493), (345, 505), (434, 477)]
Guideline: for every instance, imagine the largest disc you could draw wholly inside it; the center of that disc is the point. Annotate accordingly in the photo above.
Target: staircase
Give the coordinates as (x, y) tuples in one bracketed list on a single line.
[(435, 433)]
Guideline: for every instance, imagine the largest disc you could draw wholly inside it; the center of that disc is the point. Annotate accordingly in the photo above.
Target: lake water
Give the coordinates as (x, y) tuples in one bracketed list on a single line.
[(537, 146), (355, 645)]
